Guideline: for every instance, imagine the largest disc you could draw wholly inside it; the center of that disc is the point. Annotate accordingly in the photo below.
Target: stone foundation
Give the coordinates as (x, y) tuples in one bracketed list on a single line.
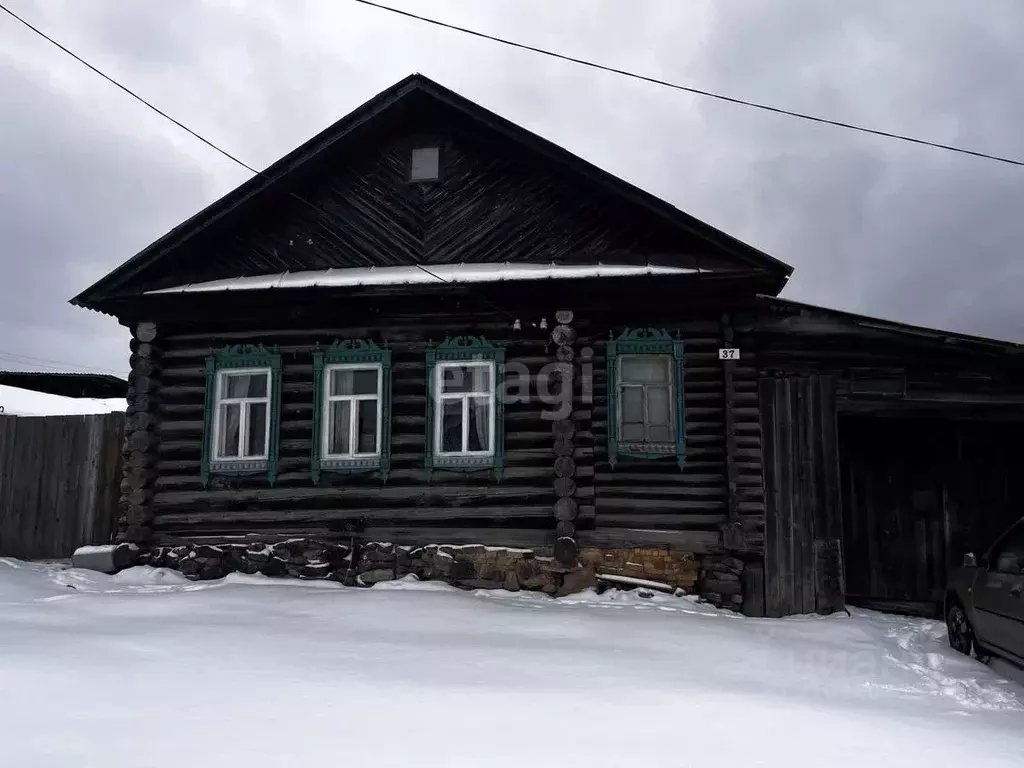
[(716, 578)]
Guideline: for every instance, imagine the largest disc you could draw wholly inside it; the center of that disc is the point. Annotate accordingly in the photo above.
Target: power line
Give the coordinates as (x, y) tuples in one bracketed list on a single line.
[(697, 91), (56, 365), (181, 125)]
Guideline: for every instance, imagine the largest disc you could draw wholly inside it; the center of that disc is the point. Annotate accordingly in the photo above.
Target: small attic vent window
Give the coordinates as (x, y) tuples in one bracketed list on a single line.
[(425, 162)]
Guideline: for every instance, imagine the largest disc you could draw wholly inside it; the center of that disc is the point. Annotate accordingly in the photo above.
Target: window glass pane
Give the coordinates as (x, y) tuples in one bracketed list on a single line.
[(338, 427), (451, 426), (256, 442), (342, 382), (367, 435), (481, 377), (229, 426), (466, 378), (365, 382), (425, 162), (1010, 557), (479, 424), (645, 369), (354, 382), (658, 411), (657, 434), (633, 404), (633, 432), (456, 378), (245, 385)]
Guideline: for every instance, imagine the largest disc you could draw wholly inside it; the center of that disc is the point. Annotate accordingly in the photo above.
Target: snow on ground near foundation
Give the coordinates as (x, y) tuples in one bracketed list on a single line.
[(146, 669)]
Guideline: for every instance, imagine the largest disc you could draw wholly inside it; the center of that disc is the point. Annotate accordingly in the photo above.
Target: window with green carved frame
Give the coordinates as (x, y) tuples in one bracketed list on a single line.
[(646, 417), (465, 408), (242, 412), (352, 413)]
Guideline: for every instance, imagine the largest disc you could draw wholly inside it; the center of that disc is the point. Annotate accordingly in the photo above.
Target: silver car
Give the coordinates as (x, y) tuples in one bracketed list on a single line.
[(985, 600)]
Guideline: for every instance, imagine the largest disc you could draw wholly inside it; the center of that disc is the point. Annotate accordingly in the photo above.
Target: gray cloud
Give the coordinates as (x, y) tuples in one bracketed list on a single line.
[(87, 177)]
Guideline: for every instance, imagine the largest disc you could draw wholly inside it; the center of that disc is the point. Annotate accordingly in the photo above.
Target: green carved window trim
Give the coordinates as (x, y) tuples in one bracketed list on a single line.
[(351, 352), (645, 341), (241, 356), (466, 349)]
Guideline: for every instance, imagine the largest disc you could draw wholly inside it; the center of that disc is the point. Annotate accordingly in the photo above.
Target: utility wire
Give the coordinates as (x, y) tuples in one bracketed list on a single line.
[(56, 365), (181, 125), (697, 91)]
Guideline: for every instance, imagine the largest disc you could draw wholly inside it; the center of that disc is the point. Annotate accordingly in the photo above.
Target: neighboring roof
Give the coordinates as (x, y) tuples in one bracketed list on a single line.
[(15, 401), (71, 384), (418, 84), (431, 274), (963, 340)]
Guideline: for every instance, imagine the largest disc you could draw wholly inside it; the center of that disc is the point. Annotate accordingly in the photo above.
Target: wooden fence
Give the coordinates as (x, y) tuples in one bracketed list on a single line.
[(60, 480)]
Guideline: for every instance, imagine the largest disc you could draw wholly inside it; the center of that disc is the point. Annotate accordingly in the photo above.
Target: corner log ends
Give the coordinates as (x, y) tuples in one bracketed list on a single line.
[(563, 430), (140, 437)]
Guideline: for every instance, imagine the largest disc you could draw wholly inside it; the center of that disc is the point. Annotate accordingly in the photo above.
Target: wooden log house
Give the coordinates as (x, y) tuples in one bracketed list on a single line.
[(428, 329)]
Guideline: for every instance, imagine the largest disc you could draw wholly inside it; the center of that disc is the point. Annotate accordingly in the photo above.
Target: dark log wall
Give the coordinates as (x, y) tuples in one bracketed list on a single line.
[(557, 480), (409, 509), (495, 201), (644, 502)]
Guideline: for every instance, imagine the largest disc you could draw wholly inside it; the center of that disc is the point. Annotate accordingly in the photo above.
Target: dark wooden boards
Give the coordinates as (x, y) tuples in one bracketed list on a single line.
[(801, 460), (59, 480), (918, 494)]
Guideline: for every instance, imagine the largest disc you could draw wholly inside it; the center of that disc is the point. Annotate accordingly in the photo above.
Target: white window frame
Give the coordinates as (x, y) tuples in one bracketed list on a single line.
[(353, 436), (670, 384), (220, 400), (440, 396)]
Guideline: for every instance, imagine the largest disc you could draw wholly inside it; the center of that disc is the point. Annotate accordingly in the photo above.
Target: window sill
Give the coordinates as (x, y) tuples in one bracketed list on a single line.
[(370, 462), (463, 461), (647, 449), (238, 467), (466, 464)]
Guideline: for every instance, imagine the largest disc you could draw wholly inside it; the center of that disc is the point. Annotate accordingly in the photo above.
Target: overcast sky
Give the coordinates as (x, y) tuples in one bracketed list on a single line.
[(88, 177)]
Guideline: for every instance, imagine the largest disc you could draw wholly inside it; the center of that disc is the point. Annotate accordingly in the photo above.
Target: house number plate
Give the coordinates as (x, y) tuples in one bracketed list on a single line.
[(729, 354)]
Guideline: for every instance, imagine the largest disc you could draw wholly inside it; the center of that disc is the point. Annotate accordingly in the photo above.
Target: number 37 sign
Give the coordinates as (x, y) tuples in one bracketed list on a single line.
[(728, 354)]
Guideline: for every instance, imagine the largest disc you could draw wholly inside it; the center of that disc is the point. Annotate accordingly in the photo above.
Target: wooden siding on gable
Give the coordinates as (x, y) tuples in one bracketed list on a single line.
[(494, 202)]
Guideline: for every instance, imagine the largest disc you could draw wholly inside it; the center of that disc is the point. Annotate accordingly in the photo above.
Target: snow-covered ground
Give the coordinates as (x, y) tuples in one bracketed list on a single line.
[(146, 669), (16, 401)]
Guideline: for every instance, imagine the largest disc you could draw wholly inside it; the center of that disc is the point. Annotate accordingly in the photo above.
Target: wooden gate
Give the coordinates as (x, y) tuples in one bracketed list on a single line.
[(803, 526), (59, 483), (917, 494)]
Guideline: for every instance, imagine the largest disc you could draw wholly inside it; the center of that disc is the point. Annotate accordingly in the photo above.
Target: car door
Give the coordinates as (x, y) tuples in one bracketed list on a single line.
[(999, 595)]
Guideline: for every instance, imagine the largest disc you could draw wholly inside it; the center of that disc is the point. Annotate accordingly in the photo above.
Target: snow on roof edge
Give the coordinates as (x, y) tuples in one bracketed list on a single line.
[(415, 275), (15, 401)]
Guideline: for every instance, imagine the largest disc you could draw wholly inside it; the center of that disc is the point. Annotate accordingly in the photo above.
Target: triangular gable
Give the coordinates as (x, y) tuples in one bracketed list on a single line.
[(343, 199)]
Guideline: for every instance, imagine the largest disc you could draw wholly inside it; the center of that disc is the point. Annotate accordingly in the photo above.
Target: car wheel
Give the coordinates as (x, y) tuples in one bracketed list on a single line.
[(959, 630)]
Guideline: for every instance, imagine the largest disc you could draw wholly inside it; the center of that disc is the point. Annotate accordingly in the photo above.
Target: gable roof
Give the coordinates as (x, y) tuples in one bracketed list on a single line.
[(414, 86)]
